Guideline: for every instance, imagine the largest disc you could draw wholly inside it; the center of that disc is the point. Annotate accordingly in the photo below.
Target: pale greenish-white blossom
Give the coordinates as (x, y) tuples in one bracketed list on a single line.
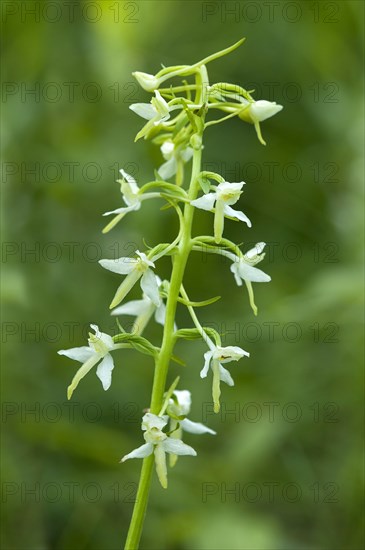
[(147, 81), (143, 310), (214, 359), (136, 269), (158, 443), (173, 156), (98, 351), (225, 195), (132, 196), (243, 270)]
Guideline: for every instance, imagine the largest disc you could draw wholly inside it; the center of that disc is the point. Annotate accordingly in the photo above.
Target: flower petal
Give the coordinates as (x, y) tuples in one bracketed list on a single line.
[(83, 370), (206, 202), (160, 314), (124, 210), (195, 427), (122, 266), (234, 268), (134, 307), (225, 376), (104, 371), (149, 286), (140, 452), (105, 338), (228, 211), (177, 447), (160, 462), (249, 273), (144, 110), (207, 356), (255, 251), (81, 354), (150, 421), (168, 169)]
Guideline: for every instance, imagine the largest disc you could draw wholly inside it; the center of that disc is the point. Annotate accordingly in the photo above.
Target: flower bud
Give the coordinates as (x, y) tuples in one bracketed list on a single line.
[(259, 111), (148, 81)]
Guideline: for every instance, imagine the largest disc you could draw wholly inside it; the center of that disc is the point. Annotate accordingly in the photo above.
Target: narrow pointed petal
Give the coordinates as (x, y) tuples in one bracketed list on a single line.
[(124, 210), (234, 268), (149, 286), (251, 297), (219, 220), (114, 222), (207, 356), (104, 371), (86, 367), (140, 452), (160, 461), (216, 388), (122, 266), (177, 447), (229, 211), (195, 427), (80, 354), (125, 287)]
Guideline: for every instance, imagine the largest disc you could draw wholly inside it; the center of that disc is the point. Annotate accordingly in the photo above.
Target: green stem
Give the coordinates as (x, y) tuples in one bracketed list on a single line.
[(163, 360)]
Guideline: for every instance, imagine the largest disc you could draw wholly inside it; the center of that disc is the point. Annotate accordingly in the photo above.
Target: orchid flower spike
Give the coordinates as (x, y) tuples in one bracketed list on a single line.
[(225, 195), (243, 270), (135, 269), (158, 443), (214, 359), (100, 344)]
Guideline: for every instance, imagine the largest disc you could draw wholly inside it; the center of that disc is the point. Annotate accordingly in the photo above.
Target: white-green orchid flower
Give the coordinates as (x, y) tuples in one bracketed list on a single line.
[(173, 156), (257, 112), (225, 195), (143, 310), (159, 443), (100, 344), (157, 110), (214, 359), (178, 408), (135, 269), (131, 196), (243, 270)]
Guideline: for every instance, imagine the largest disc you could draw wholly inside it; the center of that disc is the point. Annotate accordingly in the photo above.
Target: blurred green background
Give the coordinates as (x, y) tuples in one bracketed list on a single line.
[(285, 470)]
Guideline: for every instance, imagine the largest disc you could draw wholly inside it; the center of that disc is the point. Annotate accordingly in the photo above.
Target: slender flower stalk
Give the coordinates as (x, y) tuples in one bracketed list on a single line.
[(176, 123)]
